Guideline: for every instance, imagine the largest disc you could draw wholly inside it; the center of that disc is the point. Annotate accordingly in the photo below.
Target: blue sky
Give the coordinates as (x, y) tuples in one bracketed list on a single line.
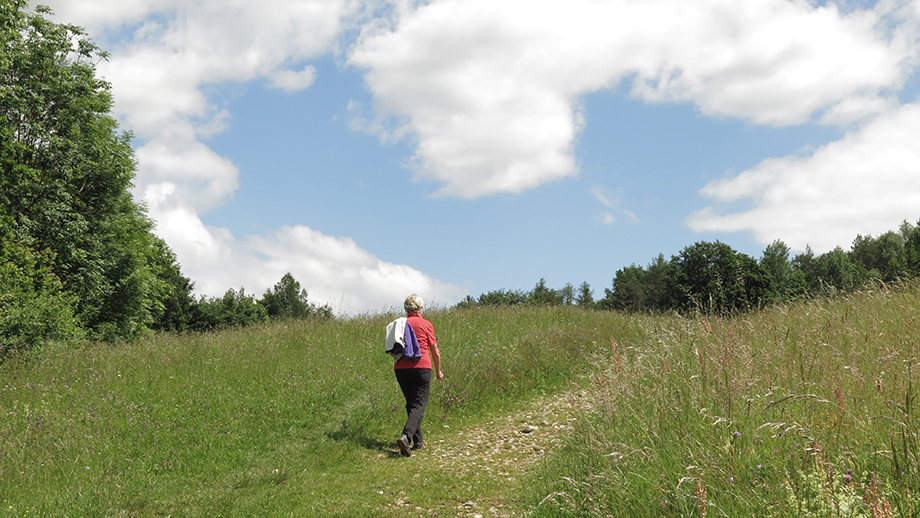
[(499, 241), (447, 148)]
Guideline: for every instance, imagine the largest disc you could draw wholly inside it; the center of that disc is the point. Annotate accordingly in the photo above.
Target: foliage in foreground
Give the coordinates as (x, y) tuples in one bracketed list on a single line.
[(801, 410)]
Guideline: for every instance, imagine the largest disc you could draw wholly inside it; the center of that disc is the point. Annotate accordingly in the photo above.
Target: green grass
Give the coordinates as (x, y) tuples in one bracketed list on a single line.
[(801, 410), (764, 414), (285, 419)]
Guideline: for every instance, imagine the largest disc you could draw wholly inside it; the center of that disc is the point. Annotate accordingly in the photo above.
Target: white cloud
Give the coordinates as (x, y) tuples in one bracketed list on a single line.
[(866, 183), (335, 271), (488, 91), (771, 61), (203, 179), (489, 88), (165, 52), (291, 81), (96, 15), (159, 66), (338, 271), (857, 109)]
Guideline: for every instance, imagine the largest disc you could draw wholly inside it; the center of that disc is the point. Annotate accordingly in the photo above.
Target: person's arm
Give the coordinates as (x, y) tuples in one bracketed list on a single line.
[(436, 360)]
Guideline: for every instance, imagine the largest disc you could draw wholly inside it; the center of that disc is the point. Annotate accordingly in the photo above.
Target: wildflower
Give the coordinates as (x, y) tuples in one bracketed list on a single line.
[(737, 434)]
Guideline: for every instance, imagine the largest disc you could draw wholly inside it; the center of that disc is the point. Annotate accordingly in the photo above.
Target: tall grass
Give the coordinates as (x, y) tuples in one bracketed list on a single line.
[(289, 419), (800, 410)]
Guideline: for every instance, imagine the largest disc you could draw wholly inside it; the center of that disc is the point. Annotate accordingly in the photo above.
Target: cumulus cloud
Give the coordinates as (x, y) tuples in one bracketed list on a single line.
[(164, 52), (96, 15), (865, 183), (199, 178), (487, 92), (335, 271), (158, 73), (490, 88)]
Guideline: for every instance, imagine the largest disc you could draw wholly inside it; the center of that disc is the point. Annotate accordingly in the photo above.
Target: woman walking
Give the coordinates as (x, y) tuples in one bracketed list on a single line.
[(414, 376)]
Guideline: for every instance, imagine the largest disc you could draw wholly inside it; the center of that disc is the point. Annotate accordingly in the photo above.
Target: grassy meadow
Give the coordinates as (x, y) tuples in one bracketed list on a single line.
[(803, 410), (285, 419), (806, 409)]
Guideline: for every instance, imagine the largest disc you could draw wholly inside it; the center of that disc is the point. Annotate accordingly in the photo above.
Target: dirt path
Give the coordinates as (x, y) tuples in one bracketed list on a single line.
[(504, 450)]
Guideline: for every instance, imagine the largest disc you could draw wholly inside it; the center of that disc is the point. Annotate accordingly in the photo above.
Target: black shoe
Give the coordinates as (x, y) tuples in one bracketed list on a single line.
[(403, 443), (417, 446)]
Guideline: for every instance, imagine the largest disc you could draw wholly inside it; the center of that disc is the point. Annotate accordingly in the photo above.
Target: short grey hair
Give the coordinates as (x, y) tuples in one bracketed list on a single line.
[(413, 304)]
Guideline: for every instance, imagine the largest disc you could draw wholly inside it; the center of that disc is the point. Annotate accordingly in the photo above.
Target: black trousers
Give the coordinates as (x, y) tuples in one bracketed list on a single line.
[(415, 385)]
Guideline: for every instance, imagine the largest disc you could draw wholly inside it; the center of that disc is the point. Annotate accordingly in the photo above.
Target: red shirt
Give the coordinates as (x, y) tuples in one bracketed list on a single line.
[(424, 332)]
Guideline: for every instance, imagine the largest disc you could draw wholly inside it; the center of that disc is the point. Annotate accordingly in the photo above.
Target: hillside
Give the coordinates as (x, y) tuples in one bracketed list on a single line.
[(804, 408)]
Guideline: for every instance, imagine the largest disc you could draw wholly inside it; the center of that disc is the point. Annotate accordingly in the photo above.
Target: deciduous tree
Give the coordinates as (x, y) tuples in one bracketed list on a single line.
[(287, 300), (629, 290), (714, 277), (65, 171)]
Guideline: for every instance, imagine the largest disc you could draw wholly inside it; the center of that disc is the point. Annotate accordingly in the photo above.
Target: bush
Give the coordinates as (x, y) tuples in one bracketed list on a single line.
[(33, 306)]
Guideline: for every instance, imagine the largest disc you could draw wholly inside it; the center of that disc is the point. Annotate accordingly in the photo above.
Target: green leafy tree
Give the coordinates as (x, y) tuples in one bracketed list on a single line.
[(503, 298), (660, 285), (498, 297), (179, 310), (65, 171), (909, 260), (643, 289), (714, 277), (629, 291), (567, 294), (805, 264), (287, 300), (786, 282), (835, 271), (234, 309), (880, 256), (585, 297), (830, 272), (542, 295), (33, 305)]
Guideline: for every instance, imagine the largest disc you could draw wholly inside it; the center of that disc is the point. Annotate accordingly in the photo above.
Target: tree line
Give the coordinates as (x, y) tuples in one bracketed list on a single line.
[(284, 301), (77, 255), (713, 277)]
